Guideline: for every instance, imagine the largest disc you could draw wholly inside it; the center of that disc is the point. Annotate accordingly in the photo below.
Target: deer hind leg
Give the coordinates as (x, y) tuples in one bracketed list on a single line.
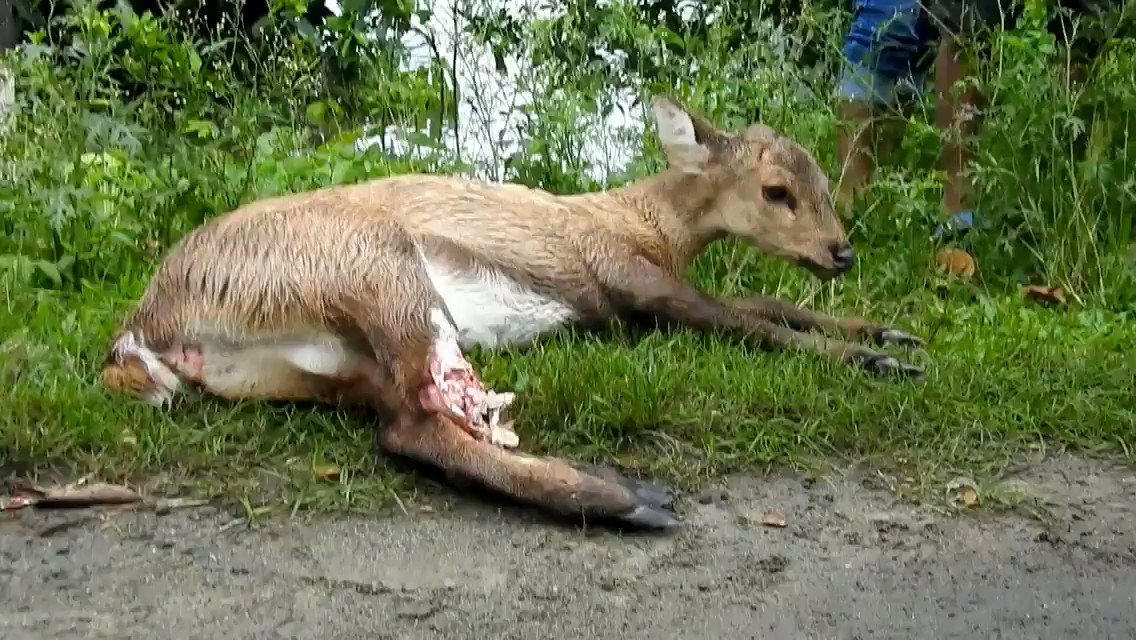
[(320, 367), (402, 316), (552, 484), (424, 429), (132, 367), (430, 373), (455, 390), (435, 394)]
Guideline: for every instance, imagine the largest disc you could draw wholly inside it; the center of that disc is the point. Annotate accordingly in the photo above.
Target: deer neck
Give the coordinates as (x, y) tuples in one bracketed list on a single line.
[(676, 206)]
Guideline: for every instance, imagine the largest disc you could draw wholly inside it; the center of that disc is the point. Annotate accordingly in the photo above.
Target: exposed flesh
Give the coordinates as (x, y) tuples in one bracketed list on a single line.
[(187, 361), (455, 390)]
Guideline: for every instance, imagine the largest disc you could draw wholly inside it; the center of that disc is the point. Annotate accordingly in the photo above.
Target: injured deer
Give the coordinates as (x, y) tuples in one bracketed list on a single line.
[(368, 293)]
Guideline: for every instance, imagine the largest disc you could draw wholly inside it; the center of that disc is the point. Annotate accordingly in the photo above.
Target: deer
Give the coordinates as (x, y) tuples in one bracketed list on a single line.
[(368, 294)]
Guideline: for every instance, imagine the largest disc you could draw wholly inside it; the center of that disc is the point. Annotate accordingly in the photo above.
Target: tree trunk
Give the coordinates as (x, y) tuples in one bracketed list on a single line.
[(9, 32)]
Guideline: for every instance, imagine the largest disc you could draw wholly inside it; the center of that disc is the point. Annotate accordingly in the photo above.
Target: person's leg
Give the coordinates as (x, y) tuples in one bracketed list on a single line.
[(957, 116), (959, 103), (879, 48), (858, 96), (910, 87)]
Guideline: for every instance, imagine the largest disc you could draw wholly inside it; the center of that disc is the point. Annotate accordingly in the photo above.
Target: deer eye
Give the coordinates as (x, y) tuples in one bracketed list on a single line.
[(775, 194)]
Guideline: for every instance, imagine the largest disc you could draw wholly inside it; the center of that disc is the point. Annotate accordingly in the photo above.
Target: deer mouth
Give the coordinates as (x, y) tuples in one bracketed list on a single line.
[(823, 271)]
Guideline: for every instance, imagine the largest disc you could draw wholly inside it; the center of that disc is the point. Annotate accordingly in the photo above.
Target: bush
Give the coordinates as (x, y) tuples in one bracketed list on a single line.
[(127, 132)]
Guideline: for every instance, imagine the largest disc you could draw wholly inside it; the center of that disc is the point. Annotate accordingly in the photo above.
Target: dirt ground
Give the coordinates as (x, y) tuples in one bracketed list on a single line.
[(852, 562)]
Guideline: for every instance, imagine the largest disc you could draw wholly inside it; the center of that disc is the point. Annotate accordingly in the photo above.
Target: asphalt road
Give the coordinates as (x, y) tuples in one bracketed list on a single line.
[(851, 562)]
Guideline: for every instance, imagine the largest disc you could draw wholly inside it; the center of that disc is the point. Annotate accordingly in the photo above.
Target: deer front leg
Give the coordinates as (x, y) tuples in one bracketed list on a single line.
[(790, 315), (638, 284)]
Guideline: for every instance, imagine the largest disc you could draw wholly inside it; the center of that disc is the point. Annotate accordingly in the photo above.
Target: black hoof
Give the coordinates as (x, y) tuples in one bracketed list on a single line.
[(651, 518), (886, 337), (654, 506), (889, 367)]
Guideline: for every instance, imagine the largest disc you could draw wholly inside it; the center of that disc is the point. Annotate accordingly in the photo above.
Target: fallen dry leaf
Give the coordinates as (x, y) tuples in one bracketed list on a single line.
[(166, 505), (327, 473), (957, 262), (70, 496), (1052, 296), (772, 519), (965, 490), (969, 496)]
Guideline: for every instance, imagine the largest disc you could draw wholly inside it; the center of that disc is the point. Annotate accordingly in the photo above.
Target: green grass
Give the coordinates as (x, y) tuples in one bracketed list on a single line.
[(1006, 377), (118, 147)]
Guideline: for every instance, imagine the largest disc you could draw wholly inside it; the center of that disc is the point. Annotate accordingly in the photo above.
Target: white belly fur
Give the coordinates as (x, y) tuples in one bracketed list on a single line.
[(493, 310), (260, 368), (314, 350)]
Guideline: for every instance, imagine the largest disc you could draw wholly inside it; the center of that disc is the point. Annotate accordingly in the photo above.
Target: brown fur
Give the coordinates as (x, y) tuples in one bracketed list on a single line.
[(130, 378), (347, 264)]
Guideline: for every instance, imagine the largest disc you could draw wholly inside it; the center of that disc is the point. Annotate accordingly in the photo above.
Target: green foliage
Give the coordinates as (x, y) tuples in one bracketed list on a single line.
[(132, 130), (101, 183), (1054, 166)]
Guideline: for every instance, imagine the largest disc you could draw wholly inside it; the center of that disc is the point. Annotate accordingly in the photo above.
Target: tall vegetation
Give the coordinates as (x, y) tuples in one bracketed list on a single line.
[(128, 129)]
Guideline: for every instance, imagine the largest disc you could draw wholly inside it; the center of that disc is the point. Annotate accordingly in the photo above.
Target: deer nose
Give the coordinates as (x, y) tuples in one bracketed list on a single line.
[(843, 257)]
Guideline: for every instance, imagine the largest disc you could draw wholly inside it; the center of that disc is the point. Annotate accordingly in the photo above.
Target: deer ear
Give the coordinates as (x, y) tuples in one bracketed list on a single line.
[(686, 139)]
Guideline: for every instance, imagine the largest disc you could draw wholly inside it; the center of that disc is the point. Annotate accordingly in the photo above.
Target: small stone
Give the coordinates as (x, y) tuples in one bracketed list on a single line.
[(773, 519), (713, 495)]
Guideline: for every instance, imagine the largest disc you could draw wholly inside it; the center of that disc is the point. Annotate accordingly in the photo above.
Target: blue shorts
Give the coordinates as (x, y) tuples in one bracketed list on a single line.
[(887, 52)]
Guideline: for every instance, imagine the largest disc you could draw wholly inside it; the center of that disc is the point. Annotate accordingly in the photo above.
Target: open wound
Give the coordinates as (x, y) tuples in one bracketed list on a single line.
[(188, 361), (454, 389)]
